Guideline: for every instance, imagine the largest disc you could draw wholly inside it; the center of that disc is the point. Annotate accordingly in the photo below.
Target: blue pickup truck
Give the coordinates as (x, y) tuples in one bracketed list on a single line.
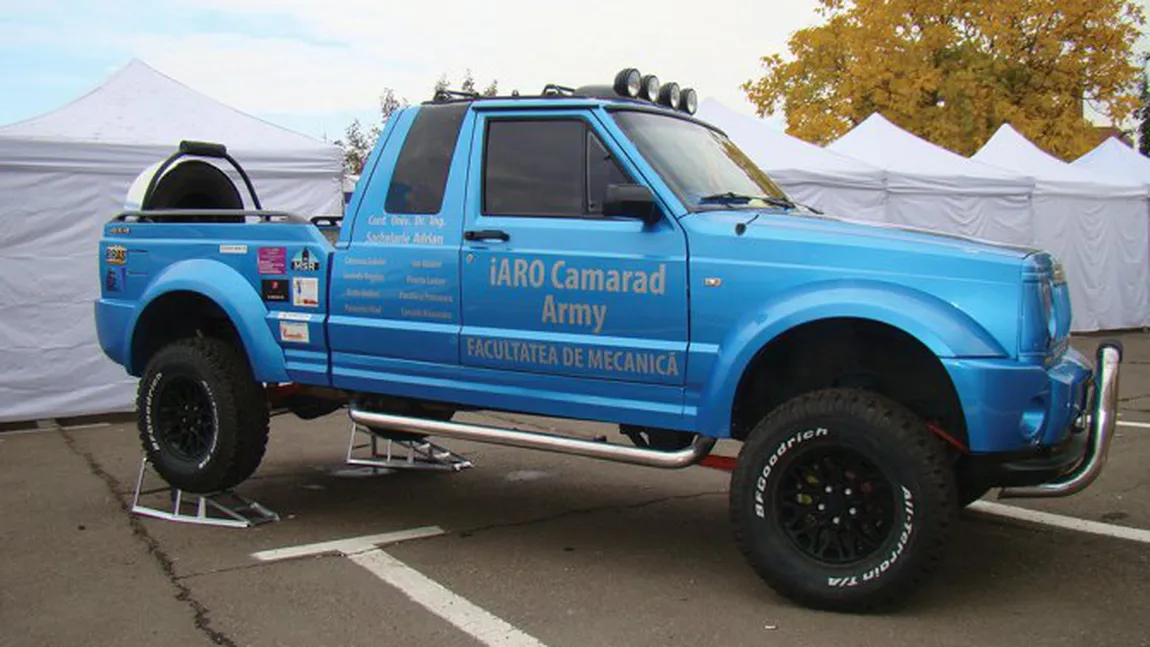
[(597, 253)]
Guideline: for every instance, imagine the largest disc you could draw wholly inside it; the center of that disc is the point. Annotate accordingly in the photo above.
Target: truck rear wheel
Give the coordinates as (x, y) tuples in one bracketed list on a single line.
[(203, 419), (842, 500)]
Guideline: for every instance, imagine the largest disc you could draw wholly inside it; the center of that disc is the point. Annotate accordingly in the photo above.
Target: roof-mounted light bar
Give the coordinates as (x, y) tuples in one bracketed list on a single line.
[(689, 101), (627, 83), (650, 90), (632, 85)]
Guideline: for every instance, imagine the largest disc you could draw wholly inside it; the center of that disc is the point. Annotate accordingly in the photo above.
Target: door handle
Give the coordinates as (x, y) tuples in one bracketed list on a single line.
[(486, 234)]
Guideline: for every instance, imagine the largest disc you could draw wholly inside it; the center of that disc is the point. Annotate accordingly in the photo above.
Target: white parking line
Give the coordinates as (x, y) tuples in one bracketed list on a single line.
[(348, 546), (431, 595), (1140, 425), (436, 598), (1061, 521)]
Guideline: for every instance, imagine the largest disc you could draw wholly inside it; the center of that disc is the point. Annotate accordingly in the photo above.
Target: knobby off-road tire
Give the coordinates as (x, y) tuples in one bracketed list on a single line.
[(842, 500), (203, 419)]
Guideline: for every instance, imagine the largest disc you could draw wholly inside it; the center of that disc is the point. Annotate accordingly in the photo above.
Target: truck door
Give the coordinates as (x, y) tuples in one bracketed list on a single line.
[(395, 289), (549, 284)]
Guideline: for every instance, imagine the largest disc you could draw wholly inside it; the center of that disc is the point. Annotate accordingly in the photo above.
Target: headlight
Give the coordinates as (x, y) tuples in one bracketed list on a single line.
[(1045, 313), (1048, 310)]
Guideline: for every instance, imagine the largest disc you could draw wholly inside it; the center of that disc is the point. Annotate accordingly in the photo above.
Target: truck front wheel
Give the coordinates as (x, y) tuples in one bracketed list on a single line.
[(203, 419), (842, 500)]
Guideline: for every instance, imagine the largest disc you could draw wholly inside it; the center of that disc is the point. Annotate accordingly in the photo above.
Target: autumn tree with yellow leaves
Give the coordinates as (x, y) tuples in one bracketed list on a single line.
[(952, 71)]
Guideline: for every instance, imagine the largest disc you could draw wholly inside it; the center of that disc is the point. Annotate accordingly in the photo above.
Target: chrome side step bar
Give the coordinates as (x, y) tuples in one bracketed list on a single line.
[(528, 440), (1103, 416)]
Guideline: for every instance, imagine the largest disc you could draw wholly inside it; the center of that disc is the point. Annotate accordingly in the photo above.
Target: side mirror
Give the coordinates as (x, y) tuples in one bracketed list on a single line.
[(631, 201)]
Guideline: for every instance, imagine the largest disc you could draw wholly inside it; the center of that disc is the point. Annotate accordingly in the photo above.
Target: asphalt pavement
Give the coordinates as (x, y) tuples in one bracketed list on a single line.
[(536, 547)]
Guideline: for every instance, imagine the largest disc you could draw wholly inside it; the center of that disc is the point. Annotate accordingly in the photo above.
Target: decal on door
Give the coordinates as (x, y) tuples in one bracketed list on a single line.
[(615, 363), (569, 283)]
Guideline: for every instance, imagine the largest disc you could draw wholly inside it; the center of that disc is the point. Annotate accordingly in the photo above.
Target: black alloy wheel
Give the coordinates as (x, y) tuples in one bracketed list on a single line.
[(835, 505), (187, 421)]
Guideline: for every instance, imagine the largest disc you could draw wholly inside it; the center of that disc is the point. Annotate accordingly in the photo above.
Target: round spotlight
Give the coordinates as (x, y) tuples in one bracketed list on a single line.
[(627, 82), (689, 101), (650, 90), (669, 95)]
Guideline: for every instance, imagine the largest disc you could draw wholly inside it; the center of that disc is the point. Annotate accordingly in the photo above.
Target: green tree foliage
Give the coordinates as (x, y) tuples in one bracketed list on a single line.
[(357, 142), (467, 85)]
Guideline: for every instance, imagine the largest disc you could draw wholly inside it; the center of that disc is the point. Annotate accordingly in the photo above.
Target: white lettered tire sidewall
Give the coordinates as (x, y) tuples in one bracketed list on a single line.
[(921, 512)]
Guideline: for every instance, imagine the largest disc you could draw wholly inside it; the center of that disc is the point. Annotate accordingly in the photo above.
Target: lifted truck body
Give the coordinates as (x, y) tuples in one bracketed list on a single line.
[(455, 280)]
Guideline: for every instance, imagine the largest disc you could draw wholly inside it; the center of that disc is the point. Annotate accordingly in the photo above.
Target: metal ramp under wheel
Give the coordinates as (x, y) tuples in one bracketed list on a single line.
[(225, 508), (409, 454)]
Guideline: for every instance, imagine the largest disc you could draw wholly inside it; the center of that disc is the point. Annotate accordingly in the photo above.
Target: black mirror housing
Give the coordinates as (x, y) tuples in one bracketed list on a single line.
[(631, 201)]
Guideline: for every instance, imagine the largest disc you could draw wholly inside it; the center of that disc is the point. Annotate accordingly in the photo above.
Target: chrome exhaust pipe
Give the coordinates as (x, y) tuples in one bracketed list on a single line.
[(1103, 416), (547, 442)]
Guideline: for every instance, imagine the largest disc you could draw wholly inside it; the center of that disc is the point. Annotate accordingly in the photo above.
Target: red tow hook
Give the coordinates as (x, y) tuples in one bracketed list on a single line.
[(950, 440)]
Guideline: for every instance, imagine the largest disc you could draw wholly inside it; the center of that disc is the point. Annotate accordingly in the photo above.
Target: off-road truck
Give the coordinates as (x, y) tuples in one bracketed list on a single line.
[(597, 253)]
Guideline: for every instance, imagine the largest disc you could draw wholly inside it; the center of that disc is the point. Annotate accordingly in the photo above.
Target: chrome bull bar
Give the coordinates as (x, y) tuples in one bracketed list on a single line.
[(1103, 416)]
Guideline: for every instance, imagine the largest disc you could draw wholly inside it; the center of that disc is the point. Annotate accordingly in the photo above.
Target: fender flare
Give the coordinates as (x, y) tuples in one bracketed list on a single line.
[(944, 329), (228, 289)]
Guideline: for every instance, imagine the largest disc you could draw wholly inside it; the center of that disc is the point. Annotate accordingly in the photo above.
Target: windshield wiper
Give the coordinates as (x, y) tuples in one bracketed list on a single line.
[(730, 197)]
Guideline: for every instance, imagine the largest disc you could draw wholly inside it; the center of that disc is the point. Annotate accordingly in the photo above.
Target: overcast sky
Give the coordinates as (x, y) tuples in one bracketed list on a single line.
[(313, 64)]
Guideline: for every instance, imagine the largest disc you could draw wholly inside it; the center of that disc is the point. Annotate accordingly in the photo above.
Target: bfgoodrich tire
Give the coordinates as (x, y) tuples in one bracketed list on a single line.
[(842, 500), (203, 420)]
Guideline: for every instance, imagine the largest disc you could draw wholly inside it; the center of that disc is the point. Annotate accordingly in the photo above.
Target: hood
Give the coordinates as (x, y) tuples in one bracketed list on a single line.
[(916, 234), (778, 252), (821, 229)]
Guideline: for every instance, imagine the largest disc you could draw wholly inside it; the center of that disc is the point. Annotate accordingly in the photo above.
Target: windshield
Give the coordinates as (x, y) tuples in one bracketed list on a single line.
[(704, 168)]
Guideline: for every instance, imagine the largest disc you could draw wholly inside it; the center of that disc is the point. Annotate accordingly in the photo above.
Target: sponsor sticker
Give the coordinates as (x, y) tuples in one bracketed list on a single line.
[(293, 316), (124, 231), (116, 254), (114, 279), (274, 289), (294, 331), (233, 249), (305, 261), (273, 260), (305, 292)]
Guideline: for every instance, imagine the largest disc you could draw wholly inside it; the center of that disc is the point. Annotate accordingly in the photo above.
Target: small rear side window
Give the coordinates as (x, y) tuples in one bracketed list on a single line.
[(420, 176)]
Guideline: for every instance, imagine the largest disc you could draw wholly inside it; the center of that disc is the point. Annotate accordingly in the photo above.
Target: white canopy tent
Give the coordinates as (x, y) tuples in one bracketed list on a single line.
[(66, 173), (810, 174), (1094, 223), (932, 188), (1115, 159)]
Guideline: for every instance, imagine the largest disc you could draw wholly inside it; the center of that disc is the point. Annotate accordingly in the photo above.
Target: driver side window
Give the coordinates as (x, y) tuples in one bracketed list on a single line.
[(555, 168)]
